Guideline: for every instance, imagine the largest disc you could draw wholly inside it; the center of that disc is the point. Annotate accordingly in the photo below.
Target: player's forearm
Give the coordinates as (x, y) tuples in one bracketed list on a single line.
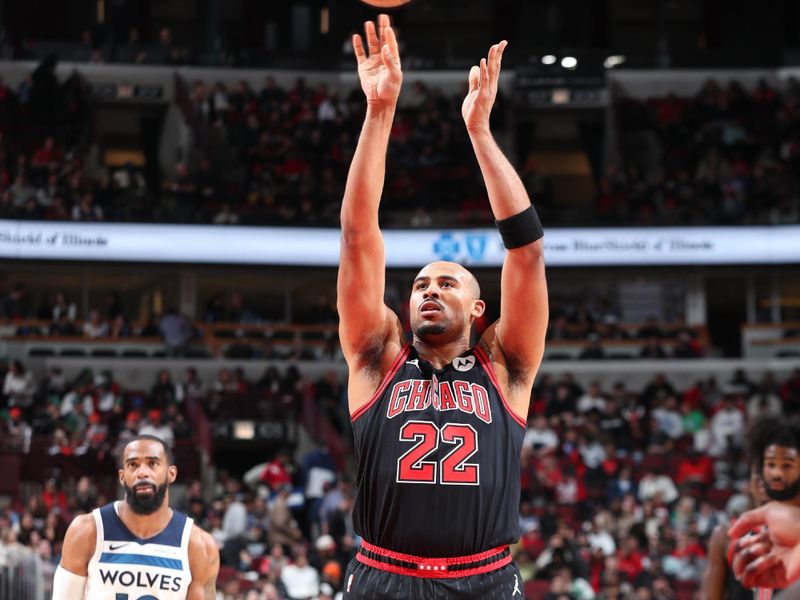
[(507, 194), (362, 194)]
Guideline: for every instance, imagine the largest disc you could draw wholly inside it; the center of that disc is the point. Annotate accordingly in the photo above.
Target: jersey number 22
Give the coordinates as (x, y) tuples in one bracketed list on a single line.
[(453, 469)]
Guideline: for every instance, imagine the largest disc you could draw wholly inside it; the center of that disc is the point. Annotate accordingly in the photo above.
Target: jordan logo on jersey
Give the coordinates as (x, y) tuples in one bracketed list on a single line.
[(413, 395)]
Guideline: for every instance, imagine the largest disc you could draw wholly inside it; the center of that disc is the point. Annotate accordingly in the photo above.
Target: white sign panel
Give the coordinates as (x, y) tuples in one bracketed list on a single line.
[(118, 242)]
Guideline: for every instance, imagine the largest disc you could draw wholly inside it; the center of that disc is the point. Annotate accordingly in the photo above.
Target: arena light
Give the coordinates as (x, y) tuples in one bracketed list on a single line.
[(569, 62), (613, 61), (548, 59), (244, 430)]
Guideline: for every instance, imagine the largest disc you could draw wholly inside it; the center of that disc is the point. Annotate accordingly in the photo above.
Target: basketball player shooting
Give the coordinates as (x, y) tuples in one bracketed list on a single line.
[(138, 548), (438, 424)]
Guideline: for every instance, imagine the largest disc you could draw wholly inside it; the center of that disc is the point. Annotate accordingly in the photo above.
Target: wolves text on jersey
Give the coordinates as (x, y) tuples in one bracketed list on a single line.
[(140, 579), (411, 395)]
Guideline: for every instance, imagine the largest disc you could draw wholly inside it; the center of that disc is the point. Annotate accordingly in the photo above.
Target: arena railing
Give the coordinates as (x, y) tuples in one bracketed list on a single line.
[(222, 340), (22, 574), (771, 340)]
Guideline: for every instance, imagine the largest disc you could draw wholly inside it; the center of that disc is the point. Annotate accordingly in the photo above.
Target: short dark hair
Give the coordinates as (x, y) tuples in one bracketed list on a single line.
[(771, 431), (151, 438)]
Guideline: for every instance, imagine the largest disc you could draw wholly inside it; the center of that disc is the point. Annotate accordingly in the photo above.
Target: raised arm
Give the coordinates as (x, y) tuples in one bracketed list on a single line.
[(519, 334), (366, 323)]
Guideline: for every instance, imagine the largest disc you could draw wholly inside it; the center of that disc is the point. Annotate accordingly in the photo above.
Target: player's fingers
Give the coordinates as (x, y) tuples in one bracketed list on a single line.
[(491, 60), (358, 49), (391, 63), (474, 78), (484, 84), (752, 519), (372, 38), (390, 39), (748, 555), (738, 545), (383, 24), (765, 570), (501, 47)]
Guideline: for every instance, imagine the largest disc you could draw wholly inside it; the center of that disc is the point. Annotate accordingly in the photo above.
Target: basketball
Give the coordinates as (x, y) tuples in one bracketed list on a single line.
[(386, 3)]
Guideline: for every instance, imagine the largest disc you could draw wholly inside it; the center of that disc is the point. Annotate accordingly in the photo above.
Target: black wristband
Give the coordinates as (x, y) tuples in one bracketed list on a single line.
[(520, 229)]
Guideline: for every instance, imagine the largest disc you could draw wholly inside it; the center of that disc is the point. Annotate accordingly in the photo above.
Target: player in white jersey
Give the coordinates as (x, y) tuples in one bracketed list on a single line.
[(138, 548)]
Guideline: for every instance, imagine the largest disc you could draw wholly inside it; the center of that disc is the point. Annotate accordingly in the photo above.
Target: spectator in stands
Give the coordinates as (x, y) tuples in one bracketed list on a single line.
[(657, 486), (18, 386), (764, 403), (86, 209), (727, 427), (695, 469), (119, 328), (225, 216), (46, 154), (276, 473), (563, 403), (283, 528), (84, 498), (652, 348), (163, 392), (790, 392), (593, 399), (176, 330), (593, 350), (155, 426), (17, 304), (190, 388), (299, 577), (16, 427), (650, 329), (63, 326), (539, 438), (685, 347), (94, 326), (60, 305), (667, 419)]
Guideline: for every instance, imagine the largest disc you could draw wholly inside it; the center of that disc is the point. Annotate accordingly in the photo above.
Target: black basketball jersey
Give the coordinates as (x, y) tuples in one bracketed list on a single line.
[(438, 459)]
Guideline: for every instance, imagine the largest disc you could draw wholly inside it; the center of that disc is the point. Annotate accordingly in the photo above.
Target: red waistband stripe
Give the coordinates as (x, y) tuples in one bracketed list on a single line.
[(418, 566)]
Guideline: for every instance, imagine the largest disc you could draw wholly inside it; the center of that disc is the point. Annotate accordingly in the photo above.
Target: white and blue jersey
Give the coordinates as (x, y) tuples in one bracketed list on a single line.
[(125, 567)]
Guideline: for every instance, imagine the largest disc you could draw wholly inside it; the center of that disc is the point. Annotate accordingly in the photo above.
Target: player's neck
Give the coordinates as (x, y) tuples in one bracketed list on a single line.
[(145, 526), (441, 354)]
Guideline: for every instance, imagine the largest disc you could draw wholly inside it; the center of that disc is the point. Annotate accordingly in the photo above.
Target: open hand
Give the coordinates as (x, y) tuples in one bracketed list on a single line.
[(380, 73), (483, 80)]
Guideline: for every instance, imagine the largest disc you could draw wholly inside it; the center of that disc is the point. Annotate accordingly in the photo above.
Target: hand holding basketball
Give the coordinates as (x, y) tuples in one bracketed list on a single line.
[(380, 72), (483, 80), (770, 558)]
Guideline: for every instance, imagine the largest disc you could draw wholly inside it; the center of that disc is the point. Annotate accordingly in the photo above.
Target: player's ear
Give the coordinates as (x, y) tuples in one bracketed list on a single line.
[(121, 475), (172, 473), (478, 309)]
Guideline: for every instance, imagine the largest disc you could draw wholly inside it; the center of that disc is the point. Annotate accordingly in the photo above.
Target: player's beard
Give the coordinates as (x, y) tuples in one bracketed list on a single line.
[(146, 505), (430, 329), (787, 493)]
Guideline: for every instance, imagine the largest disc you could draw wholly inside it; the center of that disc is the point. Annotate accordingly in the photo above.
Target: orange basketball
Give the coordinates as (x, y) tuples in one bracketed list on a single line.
[(386, 3)]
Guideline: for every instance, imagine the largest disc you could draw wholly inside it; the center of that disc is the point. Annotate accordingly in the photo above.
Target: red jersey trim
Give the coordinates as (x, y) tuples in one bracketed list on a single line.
[(452, 560), (487, 366), (433, 568), (382, 387)]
